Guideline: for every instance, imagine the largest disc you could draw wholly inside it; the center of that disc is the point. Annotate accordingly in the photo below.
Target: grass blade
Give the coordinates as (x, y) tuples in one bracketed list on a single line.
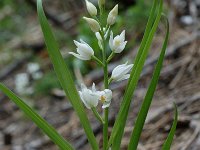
[(168, 142), (38, 120), (144, 39), (64, 75), (120, 122), (135, 136)]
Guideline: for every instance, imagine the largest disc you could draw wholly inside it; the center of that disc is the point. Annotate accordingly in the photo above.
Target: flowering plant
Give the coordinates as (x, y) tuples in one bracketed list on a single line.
[(91, 97)]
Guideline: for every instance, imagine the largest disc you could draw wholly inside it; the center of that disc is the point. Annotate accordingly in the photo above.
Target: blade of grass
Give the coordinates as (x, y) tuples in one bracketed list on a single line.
[(136, 133), (168, 142), (120, 122), (64, 75), (144, 39), (38, 120)]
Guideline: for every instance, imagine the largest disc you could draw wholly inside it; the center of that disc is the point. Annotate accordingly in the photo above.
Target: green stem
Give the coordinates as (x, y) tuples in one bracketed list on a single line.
[(97, 115), (105, 69), (106, 110), (98, 61), (110, 80), (110, 57)]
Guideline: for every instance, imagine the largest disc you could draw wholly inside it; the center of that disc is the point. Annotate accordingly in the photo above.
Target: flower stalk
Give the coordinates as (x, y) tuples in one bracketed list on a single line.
[(97, 115), (110, 57), (106, 110), (98, 61)]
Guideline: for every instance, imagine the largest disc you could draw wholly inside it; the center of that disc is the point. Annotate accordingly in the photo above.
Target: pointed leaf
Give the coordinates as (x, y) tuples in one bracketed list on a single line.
[(135, 136), (37, 119), (120, 122), (168, 142), (64, 75)]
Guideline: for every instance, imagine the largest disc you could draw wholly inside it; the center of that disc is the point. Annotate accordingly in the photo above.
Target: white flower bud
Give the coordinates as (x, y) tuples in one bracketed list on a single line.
[(89, 97), (100, 40), (98, 36), (106, 32), (120, 72), (112, 15), (85, 52), (92, 10), (117, 44), (94, 25)]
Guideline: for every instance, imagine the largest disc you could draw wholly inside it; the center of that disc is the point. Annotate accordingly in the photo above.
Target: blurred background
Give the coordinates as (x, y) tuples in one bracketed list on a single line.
[(27, 70)]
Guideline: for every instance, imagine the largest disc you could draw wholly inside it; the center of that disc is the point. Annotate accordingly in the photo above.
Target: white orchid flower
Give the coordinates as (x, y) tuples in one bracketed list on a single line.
[(89, 97), (92, 10), (117, 44), (85, 52), (105, 97), (121, 72)]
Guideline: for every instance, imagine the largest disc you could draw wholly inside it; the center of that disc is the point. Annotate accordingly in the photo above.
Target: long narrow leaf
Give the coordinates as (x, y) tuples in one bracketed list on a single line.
[(38, 120), (149, 96), (120, 122), (144, 39), (168, 142), (64, 75)]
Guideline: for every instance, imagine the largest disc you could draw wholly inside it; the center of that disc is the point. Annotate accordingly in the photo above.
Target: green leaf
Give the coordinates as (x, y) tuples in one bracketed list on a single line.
[(168, 142), (145, 38), (64, 75), (120, 122), (38, 120), (135, 136)]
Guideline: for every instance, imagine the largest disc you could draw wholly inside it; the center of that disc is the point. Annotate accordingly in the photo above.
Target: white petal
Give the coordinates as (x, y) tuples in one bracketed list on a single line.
[(119, 72), (121, 47), (122, 35), (128, 68), (124, 77), (106, 104), (93, 87), (100, 44), (108, 95), (85, 49), (106, 34), (83, 42), (83, 86), (80, 93), (94, 100), (89, 97), (76, 43), (98, 36), (84, 100), (79, 56), (111, 40)]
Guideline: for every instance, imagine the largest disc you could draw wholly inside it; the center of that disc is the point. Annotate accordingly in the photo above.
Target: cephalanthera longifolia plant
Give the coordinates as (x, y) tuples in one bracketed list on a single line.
[(90, 98)]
